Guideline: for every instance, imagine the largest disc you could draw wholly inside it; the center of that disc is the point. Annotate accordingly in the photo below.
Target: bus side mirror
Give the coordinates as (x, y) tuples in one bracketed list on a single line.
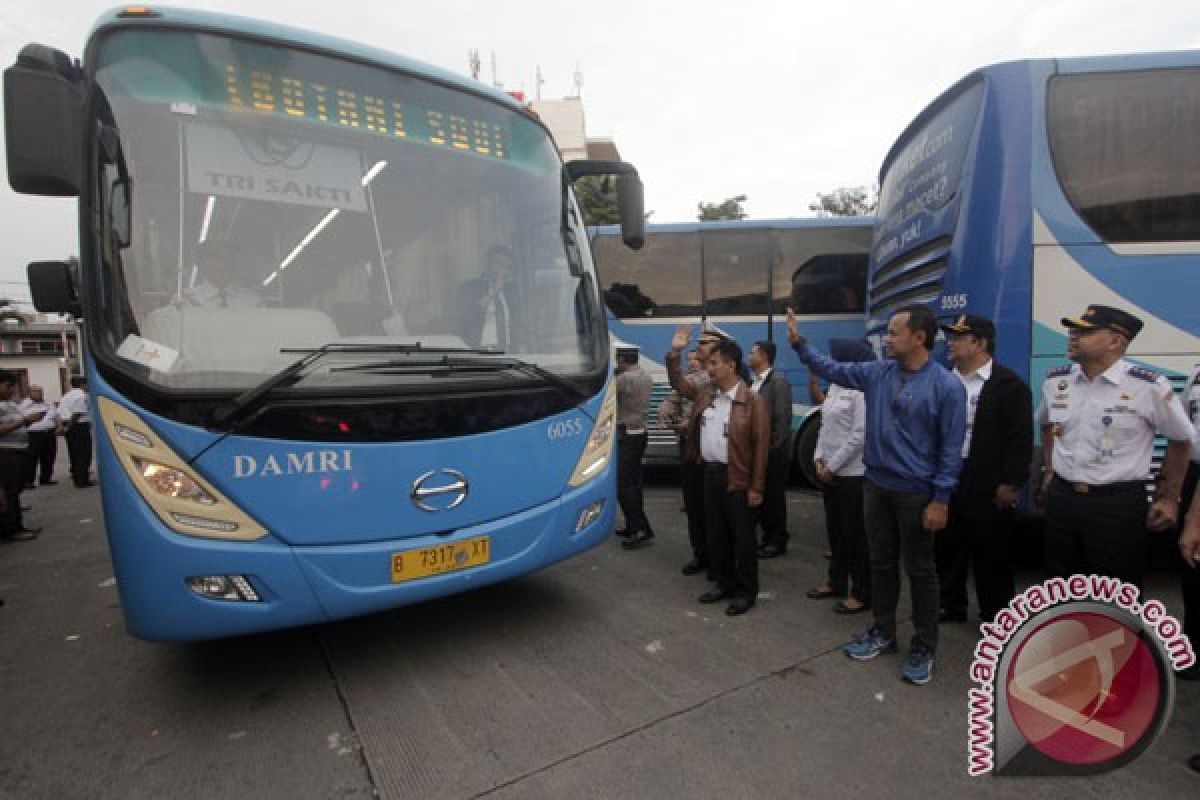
[(43, 107), (52, 289), (631, 205), (630, 199)]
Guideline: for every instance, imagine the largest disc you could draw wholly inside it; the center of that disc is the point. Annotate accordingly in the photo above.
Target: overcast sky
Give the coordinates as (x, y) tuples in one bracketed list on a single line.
[(773, 100)]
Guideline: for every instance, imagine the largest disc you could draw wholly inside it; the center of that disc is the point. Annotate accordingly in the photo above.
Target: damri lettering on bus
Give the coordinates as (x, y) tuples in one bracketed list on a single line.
[(307, 463)]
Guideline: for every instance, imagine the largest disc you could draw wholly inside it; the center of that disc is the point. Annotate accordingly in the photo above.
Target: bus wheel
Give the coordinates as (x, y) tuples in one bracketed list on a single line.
[(804, 448)]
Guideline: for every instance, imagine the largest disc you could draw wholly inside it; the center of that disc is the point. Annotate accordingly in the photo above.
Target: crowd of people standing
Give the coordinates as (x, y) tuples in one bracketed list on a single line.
[(923, 464)]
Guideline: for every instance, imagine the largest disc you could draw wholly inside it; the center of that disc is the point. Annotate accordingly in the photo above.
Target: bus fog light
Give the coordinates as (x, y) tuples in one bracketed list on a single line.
[(589, 515), (223, 587), (204, 523)]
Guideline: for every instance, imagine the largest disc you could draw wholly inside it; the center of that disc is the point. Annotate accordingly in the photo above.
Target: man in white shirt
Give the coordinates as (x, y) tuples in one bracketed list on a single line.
[(997, 451), (1098, 419), (215, 281), (775, 389), (838, 459), (1190, 581), (76, 426), (43, 444)]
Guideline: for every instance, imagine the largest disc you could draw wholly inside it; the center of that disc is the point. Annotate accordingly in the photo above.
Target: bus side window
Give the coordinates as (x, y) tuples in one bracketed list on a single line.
[(821, 271), (660, 280)]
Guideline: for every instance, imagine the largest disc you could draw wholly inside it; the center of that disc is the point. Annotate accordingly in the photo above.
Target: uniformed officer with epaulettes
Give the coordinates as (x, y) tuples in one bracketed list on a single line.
[(1190, 580), (1098, 419)]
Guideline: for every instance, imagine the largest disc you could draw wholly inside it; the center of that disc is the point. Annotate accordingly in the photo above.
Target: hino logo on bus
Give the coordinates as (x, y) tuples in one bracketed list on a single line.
[(439, 490), (311, 462)]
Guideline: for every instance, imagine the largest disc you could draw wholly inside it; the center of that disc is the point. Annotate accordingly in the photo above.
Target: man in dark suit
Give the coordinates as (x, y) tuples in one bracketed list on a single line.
[(997, 451), (775, 389), (487, 306)]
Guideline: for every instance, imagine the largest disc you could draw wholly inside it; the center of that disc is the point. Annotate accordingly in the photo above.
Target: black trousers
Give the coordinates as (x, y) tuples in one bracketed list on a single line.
[(692, 478), (772, 515), (79, 449), (732, 548), (978, 538), (1190, 575), (1102, 533), (13, 466), (43, 447), (850, 566), (630, 449)]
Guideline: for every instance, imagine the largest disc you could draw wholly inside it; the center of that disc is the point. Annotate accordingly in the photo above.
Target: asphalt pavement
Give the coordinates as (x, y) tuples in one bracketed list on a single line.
[(598, 678)]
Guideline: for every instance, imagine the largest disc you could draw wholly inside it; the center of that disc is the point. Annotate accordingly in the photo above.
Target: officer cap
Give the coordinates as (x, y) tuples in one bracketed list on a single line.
[(628, 353), (712, 333), (1114, 319), (972, 324)]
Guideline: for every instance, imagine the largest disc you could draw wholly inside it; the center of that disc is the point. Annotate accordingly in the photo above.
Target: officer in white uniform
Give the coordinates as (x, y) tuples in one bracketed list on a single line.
[(1190, 583), (1098, 419)]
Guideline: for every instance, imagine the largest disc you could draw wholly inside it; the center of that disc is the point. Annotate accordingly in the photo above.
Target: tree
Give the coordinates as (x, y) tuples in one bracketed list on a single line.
[(853, 201), (597, 196), (730, 208)]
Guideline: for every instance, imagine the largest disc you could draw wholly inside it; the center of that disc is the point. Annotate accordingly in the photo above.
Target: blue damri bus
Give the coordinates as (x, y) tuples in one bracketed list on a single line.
[(740, 276), (345, 343), (1031, 189)]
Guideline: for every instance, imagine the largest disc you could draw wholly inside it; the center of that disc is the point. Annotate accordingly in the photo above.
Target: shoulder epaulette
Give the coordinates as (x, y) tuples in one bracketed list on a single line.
[(1148, 375), (1056, 372)]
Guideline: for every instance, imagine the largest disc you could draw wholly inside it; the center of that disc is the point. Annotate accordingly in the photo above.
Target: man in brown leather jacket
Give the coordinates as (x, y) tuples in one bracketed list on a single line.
[(729, 431)]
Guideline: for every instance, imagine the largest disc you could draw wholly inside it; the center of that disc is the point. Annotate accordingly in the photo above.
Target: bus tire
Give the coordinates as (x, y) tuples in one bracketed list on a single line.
[(804, 448)]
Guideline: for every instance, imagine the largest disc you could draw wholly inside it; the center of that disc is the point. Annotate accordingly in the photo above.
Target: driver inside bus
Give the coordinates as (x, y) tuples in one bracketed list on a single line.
[(487, 306), (216, 280)]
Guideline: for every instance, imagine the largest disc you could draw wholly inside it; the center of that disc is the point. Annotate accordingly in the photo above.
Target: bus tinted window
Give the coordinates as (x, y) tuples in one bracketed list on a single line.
[(660, 280), (920, 178), (820, 271), (735, 271), (1125, 149)]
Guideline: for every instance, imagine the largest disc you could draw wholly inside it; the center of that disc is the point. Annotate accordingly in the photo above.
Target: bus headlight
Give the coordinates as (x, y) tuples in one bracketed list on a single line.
[(599, 447), (171, 482), (184, 501)]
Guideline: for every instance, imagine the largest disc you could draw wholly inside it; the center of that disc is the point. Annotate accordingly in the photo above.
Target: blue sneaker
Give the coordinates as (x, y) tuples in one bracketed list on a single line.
[(866, 646), (918, 668)]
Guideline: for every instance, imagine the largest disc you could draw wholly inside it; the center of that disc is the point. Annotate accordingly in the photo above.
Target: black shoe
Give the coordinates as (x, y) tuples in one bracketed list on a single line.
[(85, 484), (739, 605), (771, 551), (714, 595), (23, 534), (821, 592), (624, 533), (48, 483), (638, 540), (946, 615), (1194, 763), (694, 567), (31, 486)]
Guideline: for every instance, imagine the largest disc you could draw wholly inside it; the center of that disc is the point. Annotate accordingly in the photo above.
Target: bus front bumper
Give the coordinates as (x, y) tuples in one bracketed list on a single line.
[(306, 585)]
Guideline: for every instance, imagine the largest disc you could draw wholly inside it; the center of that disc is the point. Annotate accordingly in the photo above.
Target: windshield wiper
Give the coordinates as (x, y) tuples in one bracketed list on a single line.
[(241, 407), (451, 363)]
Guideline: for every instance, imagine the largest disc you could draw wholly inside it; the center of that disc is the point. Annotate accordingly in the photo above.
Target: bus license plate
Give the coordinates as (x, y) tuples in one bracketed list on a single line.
[(449, 557)]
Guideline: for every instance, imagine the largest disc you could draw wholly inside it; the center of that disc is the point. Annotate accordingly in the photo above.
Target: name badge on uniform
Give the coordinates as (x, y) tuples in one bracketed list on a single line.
[(1107, 444)]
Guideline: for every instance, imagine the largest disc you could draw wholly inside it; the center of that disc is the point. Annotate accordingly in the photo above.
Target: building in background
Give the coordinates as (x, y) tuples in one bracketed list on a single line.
[(41, 350), (565, 119)]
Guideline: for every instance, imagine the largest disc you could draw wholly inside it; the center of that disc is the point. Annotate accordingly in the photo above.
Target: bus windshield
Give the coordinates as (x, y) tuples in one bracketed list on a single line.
[(251, 198)]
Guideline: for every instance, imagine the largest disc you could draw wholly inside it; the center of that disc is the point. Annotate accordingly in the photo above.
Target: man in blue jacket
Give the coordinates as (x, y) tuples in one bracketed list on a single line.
[(916, 420)]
